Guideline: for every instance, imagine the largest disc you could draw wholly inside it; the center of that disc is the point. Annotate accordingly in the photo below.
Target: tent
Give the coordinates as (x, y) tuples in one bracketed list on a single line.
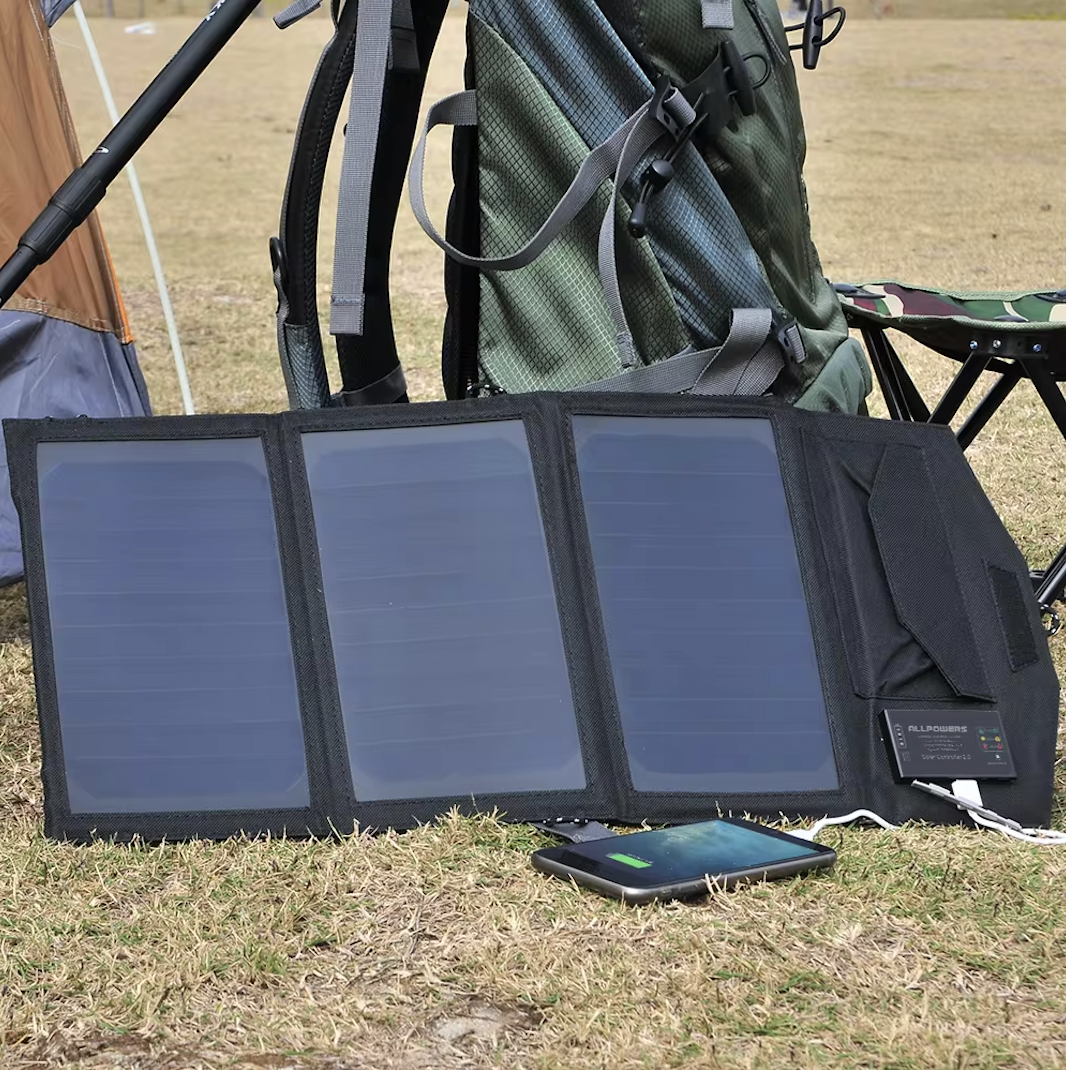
[(65, 343)]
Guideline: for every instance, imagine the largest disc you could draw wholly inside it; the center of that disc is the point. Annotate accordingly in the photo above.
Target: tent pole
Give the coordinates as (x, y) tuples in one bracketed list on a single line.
[(72, 203), (142, 211)]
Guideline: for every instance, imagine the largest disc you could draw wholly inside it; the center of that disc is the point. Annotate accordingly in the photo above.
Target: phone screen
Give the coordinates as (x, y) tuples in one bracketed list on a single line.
[(669, 856)]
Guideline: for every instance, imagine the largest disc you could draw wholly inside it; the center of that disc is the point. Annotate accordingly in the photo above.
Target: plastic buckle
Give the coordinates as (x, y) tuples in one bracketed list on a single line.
[(664, 89), (813, 27), (784, 335), (656, 178), (738, 78), (660, 171), (726, 81)]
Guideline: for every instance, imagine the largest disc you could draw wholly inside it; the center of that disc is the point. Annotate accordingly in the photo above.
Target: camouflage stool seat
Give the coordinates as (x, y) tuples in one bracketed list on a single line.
[(1017, 335)]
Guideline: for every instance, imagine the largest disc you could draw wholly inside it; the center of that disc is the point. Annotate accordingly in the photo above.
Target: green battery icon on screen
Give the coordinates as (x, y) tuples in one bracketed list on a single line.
[(629, 860)]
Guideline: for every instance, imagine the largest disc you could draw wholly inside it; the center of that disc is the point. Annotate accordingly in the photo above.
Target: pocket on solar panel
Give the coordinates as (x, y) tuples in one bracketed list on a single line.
[(903, 619)]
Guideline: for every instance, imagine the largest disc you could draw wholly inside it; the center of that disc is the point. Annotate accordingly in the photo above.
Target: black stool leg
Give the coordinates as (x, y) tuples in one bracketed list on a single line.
[(995, 397), (915, 401), (887, 379), (1049, 392), (901, 395), (961, 385), (1052, 585)]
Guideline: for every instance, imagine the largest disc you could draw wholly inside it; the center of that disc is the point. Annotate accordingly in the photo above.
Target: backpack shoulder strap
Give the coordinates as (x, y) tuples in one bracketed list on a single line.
[(383, 48)]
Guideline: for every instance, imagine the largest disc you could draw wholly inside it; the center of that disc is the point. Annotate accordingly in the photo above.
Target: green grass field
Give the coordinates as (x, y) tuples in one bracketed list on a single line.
[(935, 155)]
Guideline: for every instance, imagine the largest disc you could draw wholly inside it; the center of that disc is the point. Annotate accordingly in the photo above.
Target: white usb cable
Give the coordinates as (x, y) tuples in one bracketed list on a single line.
[(809, 834), (966, 795)]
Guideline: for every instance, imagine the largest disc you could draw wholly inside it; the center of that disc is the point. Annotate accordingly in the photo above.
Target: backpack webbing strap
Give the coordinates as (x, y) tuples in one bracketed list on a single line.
[(600, 164), (370, 369), (297, 10), (369, 361), (637, 143), (747, 362), (403, 52), (372, 45)]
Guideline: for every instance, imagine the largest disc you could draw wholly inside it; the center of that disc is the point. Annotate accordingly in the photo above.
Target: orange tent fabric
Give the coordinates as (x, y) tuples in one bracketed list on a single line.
[(38, 149)]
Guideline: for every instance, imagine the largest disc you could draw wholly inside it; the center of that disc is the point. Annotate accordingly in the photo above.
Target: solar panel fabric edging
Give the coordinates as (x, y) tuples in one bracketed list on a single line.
[(225, 726)]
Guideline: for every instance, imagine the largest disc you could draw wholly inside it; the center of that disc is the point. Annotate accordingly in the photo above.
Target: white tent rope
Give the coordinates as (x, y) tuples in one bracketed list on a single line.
[(142, 211)]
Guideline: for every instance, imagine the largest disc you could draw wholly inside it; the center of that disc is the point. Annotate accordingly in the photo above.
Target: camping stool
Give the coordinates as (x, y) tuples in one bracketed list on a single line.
[(1015, 334)]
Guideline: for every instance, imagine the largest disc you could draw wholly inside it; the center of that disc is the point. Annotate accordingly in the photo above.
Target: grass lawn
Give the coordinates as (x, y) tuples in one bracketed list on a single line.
[(935, 155)]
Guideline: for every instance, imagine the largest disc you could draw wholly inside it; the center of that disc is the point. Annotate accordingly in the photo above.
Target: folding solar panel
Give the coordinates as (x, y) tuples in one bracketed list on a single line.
[(628, 608)]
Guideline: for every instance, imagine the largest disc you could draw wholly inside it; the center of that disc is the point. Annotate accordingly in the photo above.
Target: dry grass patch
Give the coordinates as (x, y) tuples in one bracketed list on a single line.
[(442, 948), (955, 9)]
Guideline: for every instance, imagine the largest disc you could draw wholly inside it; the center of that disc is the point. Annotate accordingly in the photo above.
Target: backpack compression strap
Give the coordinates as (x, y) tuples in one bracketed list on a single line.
[(384, 54), (753, 354)]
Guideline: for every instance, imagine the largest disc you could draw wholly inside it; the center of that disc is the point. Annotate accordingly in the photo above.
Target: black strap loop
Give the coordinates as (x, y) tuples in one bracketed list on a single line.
[(385, 391)]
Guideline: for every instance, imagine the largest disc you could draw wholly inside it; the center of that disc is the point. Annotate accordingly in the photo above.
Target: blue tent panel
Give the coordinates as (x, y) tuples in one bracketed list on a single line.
[(52, 368)]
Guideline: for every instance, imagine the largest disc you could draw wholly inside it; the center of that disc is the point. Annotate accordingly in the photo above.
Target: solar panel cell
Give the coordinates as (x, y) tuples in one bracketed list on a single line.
[(446, 636), (170, 635), (704, 612)]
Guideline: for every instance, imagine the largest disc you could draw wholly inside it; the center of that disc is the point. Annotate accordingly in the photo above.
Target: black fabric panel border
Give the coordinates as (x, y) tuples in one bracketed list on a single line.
[(542, 427), (974, 529), (672, 807), (23, 437), (599, 664), (319, 645)]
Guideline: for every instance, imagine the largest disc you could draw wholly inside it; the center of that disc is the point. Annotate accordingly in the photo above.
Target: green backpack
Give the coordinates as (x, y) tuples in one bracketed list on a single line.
[(628, 211)]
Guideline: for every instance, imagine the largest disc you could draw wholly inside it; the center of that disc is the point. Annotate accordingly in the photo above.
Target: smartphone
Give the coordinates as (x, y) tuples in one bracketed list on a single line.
[(684, 861)]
